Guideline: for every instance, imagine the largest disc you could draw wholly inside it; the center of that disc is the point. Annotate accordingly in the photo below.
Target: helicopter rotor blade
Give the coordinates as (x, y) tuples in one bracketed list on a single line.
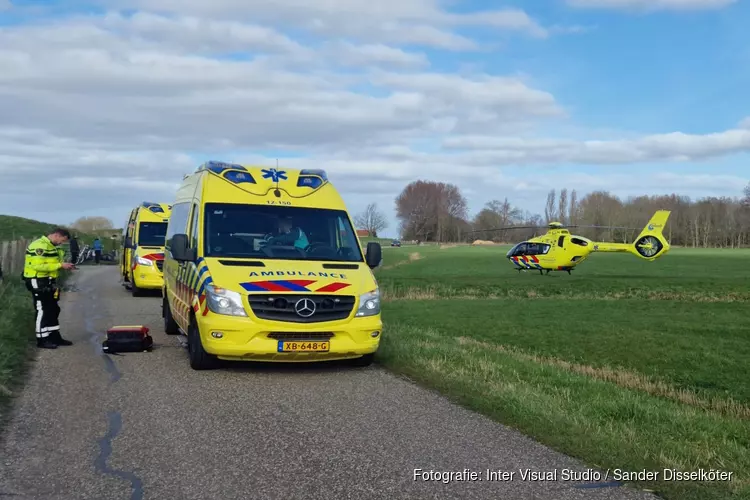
[(548, 227), (606, 227), (507, 228)]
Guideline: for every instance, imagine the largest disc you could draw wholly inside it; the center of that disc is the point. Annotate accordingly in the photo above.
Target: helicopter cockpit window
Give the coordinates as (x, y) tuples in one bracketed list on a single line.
[(537, 249), (527, 248)]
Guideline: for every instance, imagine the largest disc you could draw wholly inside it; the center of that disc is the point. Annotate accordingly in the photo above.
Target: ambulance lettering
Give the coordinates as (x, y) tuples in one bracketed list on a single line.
[(256, 274)]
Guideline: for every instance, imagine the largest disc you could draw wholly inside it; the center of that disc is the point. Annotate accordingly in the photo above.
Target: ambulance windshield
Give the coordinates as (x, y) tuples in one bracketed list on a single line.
[(152, 234), (279, 232)]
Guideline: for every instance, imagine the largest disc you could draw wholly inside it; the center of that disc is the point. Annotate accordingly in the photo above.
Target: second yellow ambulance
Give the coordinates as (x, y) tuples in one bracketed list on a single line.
[(142, 253)]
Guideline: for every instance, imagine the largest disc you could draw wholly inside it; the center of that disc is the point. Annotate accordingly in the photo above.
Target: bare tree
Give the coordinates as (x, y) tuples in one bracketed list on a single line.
[(497, 214), (549, 211), (371, 219), (92, 223), (562, 206), (573, 210), (435, 211), (432, 211)]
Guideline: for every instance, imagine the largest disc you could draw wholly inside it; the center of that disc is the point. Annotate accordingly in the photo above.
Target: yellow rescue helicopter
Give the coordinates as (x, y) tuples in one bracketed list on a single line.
[(559, 250)]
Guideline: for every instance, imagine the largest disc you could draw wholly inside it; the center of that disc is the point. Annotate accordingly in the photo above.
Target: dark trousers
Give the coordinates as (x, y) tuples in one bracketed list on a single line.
[(46, 296), (74, 257), (97, 255)]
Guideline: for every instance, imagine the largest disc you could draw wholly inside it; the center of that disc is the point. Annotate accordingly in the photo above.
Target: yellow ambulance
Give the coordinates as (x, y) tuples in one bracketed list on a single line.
[(142, 252), (264, 264)]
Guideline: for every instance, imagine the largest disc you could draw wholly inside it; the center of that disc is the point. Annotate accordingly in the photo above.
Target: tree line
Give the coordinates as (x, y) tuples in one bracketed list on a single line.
[(438, 212)]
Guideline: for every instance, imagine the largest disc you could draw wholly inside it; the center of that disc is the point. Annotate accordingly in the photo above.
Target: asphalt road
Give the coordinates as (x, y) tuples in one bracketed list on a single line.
[(145, 426)]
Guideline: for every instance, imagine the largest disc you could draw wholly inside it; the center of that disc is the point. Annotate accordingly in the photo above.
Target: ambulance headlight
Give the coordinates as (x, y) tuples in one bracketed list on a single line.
[(222, 301), (369, 304), (145, 262)]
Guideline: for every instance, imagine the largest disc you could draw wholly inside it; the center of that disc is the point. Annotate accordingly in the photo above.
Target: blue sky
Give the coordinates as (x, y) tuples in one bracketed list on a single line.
[(366, 93)]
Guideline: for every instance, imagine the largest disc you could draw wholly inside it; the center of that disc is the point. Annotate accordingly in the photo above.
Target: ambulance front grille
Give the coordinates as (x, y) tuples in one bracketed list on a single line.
[(298, 336), (282, 307)]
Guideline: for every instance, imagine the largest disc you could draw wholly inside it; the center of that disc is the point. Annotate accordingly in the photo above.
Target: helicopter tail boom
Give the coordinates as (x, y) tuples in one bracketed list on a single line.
[(649, 245)]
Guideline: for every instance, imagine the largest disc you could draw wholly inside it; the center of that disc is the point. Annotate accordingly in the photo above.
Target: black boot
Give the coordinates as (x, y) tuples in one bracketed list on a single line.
[(57, 339), (45, 344)]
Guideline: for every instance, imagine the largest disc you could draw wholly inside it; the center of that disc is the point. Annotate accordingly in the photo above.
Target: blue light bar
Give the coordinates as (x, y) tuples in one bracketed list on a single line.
[(239, 176), (152, 207), (312, 178), (311, 181), (218, 167), (316, 172)]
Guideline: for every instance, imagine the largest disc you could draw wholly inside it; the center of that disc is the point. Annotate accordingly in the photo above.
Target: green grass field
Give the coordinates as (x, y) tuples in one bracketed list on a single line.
[(624, 364)]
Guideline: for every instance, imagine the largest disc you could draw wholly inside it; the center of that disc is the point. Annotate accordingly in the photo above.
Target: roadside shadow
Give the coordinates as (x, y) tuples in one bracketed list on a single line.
[(292, 368), (146, 293)]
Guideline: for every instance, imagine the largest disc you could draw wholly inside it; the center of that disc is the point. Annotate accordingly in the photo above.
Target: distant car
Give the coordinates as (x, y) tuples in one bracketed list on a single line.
[(395, 243)]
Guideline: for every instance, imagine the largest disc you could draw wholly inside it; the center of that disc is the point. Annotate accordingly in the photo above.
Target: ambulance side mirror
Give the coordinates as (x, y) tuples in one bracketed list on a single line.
[(374, 255), (179, 249), (128, 242)]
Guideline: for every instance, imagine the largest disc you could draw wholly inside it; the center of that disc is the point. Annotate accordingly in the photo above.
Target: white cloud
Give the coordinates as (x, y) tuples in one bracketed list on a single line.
[(675, 146), (373, 55), (422, 22), (102, 111), (652, 5)]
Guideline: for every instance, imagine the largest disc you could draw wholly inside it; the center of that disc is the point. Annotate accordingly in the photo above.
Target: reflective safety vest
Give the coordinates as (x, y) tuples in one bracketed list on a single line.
[(43, 259)]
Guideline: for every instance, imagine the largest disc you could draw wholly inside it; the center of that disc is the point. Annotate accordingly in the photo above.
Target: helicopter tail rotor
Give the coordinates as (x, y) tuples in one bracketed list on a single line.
[(651, 244)]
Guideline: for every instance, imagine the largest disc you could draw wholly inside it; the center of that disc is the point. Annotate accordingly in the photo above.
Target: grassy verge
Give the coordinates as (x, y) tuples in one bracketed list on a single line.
[(625, 364), (17, 341)]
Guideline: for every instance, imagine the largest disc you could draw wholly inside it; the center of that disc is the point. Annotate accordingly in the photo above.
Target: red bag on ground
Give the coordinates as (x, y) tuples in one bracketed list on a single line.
[(127, 339)]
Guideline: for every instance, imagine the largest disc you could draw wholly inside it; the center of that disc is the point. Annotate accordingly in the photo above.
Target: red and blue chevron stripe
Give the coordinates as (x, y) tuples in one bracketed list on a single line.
[(526, 261), (292, 286)]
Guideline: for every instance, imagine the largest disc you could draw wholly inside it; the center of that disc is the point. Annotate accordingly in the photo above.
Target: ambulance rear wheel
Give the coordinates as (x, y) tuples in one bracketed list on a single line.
[(137, 292), (199, 358), (170, 325)]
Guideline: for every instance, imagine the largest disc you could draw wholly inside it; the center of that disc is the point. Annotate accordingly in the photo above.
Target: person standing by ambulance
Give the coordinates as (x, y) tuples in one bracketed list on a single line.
[(44, 259)]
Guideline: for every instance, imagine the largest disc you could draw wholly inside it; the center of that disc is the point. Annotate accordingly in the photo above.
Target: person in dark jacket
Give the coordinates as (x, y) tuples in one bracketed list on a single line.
[(75, 250)]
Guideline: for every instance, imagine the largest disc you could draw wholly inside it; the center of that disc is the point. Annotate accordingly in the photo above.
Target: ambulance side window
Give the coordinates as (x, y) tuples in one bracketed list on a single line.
[(347, 238), (194, 227), (130, 227), (178, 221)]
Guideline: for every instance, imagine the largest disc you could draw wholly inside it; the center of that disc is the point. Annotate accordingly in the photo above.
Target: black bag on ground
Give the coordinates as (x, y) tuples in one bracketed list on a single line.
[(127, 339)]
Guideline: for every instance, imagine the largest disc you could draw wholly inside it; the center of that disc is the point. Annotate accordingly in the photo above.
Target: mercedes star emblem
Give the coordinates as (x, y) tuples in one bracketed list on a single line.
[(304, 308)]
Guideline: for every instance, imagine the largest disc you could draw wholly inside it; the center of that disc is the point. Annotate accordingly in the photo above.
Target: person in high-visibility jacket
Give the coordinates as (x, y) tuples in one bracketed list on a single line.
[(44, 259)]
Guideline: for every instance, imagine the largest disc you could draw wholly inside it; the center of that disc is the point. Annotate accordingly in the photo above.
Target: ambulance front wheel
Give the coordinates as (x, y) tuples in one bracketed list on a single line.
[(199, 358), (170, 325), (363, 361)]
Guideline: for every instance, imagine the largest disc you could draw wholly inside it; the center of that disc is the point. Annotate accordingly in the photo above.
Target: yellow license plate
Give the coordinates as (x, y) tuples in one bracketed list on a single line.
[(304, 346)]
